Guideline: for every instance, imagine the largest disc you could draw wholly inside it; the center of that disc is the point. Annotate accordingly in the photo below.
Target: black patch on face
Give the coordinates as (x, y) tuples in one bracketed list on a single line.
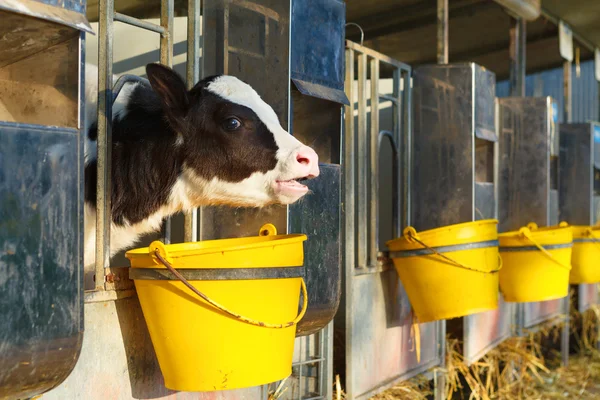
[(230, 155), (145, 160), (146, 156)]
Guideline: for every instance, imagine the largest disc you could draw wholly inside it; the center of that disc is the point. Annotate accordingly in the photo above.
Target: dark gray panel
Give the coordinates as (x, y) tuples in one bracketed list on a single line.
[(41, 235), (485, 203), (442, 146), (318, 216), (524, 166), (576, 169), (317, 60)]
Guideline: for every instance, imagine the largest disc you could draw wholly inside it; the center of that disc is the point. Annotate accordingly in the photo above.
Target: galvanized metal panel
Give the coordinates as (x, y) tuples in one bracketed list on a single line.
[(587, 296), (524, 167), (576, 173), (537, 313), (41, 237)]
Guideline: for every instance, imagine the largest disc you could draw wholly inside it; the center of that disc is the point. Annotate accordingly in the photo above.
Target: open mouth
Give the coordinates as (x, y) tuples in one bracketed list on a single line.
[(293, 184)]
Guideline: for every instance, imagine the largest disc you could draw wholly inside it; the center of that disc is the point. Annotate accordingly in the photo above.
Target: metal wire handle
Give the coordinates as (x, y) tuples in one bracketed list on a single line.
[(595, 239), (411, 234), (526, 232), (226, 310)]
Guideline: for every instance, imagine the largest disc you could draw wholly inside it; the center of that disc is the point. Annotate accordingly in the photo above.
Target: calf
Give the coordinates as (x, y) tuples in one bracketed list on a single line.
[(175, 150)]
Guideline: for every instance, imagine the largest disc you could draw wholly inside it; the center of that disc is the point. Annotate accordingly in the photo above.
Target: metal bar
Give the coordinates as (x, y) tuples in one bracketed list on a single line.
[(167, 11), (393, 99), (363, 205), (564, 333), (397, 123), (166, 58), (568, 92), (374, 54), (406, 151), (104, 139), (190, 233), (442, 31), (440, 381), (517, 50), (373, 195), (126, 19)]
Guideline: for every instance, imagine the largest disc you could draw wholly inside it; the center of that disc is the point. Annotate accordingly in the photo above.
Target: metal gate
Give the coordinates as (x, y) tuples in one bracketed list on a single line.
[(375, 323)]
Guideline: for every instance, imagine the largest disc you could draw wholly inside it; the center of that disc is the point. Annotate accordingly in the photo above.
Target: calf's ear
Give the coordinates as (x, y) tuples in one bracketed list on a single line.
[(171, 89)]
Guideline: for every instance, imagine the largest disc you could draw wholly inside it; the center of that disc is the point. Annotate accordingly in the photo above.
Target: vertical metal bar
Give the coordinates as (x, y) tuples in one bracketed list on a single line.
[(104, 140), (398, 123), (328, 394), (442, 31), (167, 10), (361, 138), (518, 44), (440, 382), (406, 149), (564, 333), (190, 233), (373, 197), (348, 163), (568, 90)]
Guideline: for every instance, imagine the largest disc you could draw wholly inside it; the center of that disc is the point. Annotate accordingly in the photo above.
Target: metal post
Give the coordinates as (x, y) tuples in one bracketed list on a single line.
[(568, 116), (104, 140), (568, 88), (363, 206), (374, 166), (193, 75), (167, 10), (518, 43), (442, 31), (442, 58)]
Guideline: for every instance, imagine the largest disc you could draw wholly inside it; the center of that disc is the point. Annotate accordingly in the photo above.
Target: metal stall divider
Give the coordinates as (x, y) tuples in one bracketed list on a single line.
[(41, 193), (271, 44), (107, 16), (579, 188), (529, 139), (375, 322), (455, 174)]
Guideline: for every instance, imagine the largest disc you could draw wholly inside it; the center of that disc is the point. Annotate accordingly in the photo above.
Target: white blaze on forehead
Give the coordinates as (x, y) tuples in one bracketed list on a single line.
[(234, 90)]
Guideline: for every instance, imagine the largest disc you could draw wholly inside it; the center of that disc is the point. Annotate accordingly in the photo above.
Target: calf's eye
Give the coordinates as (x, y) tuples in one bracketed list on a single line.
[(231, 124)]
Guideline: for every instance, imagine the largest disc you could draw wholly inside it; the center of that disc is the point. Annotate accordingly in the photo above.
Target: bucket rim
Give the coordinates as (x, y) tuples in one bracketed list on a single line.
[(204, 247), (580, 231), (540, 234), (446, 228)]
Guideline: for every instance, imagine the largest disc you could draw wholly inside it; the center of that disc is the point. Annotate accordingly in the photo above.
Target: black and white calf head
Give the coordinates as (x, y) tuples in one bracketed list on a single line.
[(233, 148)]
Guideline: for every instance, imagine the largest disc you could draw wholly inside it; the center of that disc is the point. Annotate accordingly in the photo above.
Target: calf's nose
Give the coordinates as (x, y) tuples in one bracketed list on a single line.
[(308, 161)]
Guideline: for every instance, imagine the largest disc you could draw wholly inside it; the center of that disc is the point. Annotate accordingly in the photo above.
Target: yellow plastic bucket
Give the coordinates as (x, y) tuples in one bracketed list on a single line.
[(586, 255), (451, 271), (537, 262), (235, 326)]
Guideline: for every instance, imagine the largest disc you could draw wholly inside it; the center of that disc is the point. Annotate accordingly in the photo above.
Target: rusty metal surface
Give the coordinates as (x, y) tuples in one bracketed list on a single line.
[(69, 13)]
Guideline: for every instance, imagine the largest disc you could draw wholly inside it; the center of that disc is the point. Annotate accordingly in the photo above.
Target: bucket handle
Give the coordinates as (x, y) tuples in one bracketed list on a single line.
[(226, 310), (526, 232), (411, 234), (595, 239)]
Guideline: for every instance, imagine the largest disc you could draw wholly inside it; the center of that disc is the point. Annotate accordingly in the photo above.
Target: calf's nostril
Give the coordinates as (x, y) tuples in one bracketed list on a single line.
[(302, 159)]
